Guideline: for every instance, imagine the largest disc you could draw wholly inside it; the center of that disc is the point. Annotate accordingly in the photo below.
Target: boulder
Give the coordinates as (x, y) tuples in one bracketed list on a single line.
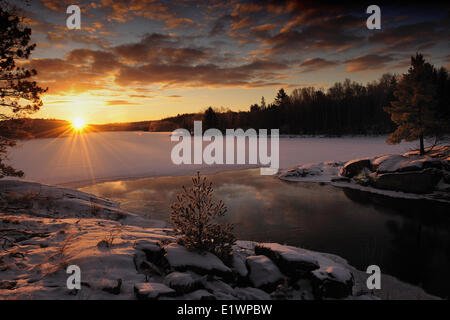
[(354, 167), (332, 282), (239, 268), (181, 259), (263, 273), (293, 262), (112, 286), (183, 282), (152, 291), (198, 295), (423, 181), (401, 163), (250, 293)]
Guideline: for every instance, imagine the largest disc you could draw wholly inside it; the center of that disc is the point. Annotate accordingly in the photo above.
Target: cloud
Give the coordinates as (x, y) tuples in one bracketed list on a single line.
[(119, 102), (315, 64), (199, 75), (368, 62), (415, 36)]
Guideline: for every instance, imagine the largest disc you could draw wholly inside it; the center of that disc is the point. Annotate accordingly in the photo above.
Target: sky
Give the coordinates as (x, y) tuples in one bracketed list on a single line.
[(135, 60)]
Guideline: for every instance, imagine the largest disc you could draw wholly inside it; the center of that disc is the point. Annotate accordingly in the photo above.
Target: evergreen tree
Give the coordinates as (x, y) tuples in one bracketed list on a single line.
[(282, 98), (18, 95), (414, 108)]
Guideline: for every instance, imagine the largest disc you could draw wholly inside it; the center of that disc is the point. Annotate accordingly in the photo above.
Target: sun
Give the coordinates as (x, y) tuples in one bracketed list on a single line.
[(78, 124)]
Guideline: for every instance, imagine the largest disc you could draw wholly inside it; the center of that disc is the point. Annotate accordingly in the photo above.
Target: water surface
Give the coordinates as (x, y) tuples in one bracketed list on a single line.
[(409, 239)]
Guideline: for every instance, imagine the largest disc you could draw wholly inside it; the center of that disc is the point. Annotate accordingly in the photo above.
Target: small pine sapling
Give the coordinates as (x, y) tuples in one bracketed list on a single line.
[(193, 215)]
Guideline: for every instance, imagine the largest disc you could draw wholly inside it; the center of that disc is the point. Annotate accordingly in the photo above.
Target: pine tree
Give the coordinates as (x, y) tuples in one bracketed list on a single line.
[(193, 215), (414, 108), (18, 96), (282, 98)]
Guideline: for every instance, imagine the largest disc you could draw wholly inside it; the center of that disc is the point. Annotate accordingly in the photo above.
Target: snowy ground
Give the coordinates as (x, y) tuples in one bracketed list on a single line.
[(44, 229), (102, 156)]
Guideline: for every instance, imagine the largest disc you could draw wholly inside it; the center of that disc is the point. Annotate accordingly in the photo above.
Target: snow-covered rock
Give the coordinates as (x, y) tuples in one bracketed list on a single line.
[(423, 181), (292, 261), (152, 290), (183, 282), (332, 282), (313, 172), (264, 274), (250, 293), (182, 259), (238, 266)]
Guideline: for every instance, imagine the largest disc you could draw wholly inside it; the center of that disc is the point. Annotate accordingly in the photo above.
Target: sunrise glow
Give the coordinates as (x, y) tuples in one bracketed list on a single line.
[(78, 124)]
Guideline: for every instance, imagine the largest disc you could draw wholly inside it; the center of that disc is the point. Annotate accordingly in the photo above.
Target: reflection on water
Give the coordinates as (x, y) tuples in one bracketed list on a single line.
[(408, 239)]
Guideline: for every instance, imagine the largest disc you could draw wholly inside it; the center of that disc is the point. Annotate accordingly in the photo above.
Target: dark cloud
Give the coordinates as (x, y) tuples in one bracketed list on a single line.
[(416, 36), (199, 75)]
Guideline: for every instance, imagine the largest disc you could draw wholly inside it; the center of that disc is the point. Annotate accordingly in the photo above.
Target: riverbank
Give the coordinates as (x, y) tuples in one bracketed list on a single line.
[(44, 229)]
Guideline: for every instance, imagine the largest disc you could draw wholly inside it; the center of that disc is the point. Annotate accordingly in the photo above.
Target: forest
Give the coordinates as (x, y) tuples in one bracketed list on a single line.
[(346, 107)]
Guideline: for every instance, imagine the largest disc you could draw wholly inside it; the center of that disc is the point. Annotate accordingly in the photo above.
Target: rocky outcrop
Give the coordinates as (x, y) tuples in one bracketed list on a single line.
[(409, 172), (423, 181)]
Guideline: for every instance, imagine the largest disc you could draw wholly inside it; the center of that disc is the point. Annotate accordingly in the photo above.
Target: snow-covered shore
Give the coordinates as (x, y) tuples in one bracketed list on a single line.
[(43, 229), (408, 176)]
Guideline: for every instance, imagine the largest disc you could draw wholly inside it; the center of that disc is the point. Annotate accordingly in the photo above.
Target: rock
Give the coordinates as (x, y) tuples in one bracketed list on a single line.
[(220, 288), (250, 293), (239, 268), (181, 259), (354, 167), (198, 295), (293, 262), (152, 250), (401, 163), (152, 290), (113, 287), (423, 181), (183, 282), (148, 268), (264, 274), (332, 282)]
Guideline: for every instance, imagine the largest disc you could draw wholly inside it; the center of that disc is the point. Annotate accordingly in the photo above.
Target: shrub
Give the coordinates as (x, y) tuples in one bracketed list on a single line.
[(193, 215)]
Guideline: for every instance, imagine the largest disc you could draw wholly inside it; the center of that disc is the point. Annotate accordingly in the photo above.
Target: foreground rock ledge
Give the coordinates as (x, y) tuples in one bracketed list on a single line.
[(44, 229)]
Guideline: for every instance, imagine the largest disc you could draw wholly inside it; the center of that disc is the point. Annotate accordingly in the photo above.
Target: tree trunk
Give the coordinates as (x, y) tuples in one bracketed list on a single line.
[(422, 149)]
